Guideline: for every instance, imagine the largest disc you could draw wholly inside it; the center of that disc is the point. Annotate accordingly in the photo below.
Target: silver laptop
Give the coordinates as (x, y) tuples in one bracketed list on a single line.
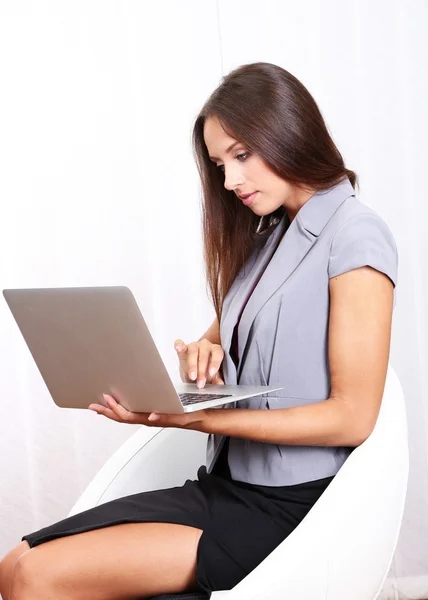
[(87, 341)]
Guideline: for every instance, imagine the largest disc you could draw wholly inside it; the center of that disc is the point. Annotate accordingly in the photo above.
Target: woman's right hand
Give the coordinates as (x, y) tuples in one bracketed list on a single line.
[(199, 361)]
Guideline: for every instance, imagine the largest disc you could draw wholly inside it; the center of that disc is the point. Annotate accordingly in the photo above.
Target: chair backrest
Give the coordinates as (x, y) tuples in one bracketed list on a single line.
[(344, 546)]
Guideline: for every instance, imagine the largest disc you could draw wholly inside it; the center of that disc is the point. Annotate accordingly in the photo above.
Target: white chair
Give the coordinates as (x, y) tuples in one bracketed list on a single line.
[(341, 550)]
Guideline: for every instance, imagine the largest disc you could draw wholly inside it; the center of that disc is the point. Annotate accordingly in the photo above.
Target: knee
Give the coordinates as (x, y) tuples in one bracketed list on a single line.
[(7, 568), (27, 581)]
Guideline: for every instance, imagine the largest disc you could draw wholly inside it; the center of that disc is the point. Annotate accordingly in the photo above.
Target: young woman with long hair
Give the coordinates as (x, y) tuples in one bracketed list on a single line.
[(302, 278)]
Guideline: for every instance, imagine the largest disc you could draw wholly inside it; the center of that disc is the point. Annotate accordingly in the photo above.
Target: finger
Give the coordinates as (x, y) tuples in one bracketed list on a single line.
[(192, 360), (203, 359), (217, 355), (120, 411), (124, 415), (102, 410), (154, 417), (181, 349), (183, 374), (217, 380)]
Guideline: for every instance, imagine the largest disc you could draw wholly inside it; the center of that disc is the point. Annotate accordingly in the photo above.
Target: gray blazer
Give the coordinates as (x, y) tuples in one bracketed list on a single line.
[(283, 331)]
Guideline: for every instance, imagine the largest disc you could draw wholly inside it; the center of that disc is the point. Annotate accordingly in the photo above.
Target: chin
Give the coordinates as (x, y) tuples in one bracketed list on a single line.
[(258, 212), (262, 211)]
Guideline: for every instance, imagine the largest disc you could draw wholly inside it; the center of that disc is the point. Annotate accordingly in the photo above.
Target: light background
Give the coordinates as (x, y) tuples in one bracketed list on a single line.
[(98, 187)]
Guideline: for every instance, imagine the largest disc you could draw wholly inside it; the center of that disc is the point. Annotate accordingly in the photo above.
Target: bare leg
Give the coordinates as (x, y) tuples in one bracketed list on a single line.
[(7, 566), (129, 561)]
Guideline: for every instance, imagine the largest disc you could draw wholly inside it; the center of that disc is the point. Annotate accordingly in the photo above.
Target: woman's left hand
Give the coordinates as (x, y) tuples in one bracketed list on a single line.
[(117, 412)]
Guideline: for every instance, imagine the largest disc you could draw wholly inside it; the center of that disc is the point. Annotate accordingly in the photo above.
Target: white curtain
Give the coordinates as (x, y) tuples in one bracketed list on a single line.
[(98, 187)]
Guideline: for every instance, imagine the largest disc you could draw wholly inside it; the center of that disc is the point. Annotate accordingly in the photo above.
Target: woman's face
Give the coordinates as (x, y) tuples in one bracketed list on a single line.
[(246, 173)]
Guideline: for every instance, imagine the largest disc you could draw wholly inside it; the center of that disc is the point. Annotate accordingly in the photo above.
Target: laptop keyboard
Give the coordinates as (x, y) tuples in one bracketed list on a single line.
[(187, 399)]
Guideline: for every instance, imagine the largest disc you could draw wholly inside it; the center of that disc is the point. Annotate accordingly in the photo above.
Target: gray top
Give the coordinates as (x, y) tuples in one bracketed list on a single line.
[(283, 332)]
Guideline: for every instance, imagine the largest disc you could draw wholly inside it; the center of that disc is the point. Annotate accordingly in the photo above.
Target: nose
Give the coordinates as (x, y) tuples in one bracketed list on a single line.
[(233, 178)]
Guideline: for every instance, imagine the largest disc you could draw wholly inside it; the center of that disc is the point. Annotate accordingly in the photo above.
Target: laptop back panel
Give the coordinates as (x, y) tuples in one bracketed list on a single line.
[(89, 341)]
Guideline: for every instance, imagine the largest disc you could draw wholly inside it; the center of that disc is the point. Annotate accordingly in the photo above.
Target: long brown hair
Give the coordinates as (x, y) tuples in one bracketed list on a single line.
[(270, 112)]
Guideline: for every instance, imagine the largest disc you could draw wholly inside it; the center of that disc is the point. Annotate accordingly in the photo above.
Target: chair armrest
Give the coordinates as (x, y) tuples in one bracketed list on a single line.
[(152, 458)]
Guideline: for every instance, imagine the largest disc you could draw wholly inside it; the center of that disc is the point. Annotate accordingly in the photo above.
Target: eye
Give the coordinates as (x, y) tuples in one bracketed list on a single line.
[(243, 156)]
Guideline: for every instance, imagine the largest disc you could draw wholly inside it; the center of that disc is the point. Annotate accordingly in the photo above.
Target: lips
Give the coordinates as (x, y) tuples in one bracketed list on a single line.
[(247, 199)]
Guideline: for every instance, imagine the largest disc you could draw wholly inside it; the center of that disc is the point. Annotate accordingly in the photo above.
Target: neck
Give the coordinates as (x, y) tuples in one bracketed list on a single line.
[(302, 196)]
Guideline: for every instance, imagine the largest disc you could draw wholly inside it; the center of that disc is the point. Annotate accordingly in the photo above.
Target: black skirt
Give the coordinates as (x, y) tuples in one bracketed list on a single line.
[(241, 523)]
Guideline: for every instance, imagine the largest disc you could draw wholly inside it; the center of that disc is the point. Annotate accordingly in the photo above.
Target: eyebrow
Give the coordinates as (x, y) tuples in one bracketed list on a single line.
[(227, 151)]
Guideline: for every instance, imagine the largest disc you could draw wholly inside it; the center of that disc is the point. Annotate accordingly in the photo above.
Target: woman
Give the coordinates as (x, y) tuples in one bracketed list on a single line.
[(315, 270)]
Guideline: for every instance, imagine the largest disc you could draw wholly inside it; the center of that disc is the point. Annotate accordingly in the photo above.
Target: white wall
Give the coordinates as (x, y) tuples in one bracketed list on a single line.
[(98, 187)]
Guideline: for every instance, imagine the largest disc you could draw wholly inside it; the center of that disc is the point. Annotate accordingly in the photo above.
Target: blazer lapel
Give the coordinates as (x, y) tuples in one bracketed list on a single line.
[(294, 246), (296, 243), (244, 282), (239, 291)]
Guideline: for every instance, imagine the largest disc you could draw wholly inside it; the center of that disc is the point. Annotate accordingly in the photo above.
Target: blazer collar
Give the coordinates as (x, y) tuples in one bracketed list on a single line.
[(277, 263), (318, 210)]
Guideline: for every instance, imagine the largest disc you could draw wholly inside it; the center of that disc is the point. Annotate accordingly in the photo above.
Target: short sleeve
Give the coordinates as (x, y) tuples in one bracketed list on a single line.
[(363, 240)]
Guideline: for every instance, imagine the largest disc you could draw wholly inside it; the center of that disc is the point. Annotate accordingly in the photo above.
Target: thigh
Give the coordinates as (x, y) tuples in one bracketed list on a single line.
[(121, 561)]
